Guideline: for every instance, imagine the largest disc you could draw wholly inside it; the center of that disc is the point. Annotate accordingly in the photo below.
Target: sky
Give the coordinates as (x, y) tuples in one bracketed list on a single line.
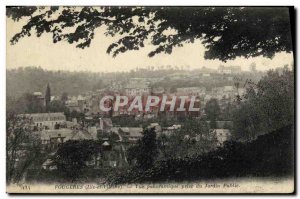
[(42, 52)]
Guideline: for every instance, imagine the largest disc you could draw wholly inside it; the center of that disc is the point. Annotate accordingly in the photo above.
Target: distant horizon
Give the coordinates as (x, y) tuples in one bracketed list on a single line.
[(41, 51), (145, 68)]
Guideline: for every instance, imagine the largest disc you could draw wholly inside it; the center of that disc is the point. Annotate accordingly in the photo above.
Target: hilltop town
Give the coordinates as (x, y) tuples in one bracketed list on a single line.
[(58, 119)]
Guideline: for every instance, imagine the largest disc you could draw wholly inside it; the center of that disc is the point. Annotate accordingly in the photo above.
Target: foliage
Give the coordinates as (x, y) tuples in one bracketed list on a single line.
[(21, 80), (23, 148), (47, 97), (227, 114), (193, 127), (271, 155), (226, 32), (27, 103), (57, 106), (146, 150), (212, 110), (113, 137), (193, 138), (64, 97), (71, 157), (267, 106)]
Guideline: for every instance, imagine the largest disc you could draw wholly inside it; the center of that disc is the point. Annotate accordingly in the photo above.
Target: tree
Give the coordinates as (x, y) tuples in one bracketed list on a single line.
[(75, 83), (227, 113), (226, 32), (47, 96), (59, 106), (212, 110), (246, 122), (194, 127), (146, 150), (27, 103), (191, 139), (56, 106), (71, 157), (267, 106), (270, 155), (23, 148), (78, 115), (64, 97)]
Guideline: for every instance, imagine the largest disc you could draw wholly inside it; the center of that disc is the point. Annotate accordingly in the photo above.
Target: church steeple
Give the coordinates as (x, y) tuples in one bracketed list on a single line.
[(47, 96)]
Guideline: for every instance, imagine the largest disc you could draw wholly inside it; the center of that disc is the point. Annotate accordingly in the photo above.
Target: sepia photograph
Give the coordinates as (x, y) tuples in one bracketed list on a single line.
[(150, 99)]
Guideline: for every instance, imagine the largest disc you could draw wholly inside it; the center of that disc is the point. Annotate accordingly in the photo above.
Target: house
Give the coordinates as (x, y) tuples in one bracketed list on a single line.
[(38, 94), (53, 138), (168, 131), (152, 125), (191, 91), (82, 135), (136, 90), (157, 128), (71, 125), (137, 87), (129, 134), (46, 120), (158, 91), (49, 165)]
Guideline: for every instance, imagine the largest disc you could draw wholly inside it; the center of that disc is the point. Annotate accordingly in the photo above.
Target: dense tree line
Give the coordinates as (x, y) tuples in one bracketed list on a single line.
[(271, 155), (267, 105)]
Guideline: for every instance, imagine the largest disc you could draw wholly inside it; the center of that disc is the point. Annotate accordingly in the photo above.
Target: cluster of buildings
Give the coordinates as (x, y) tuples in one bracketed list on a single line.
[(53, 129), (88, 103)]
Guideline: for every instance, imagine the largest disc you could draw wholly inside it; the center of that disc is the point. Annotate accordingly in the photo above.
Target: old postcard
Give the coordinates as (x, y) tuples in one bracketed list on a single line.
[(107, 99)]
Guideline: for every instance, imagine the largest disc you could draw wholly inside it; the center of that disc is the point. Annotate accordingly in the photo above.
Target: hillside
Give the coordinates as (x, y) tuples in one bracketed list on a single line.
[(31, 79)]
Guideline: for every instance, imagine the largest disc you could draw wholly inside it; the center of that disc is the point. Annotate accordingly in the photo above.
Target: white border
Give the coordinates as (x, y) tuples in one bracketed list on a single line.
[(109, 2)]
